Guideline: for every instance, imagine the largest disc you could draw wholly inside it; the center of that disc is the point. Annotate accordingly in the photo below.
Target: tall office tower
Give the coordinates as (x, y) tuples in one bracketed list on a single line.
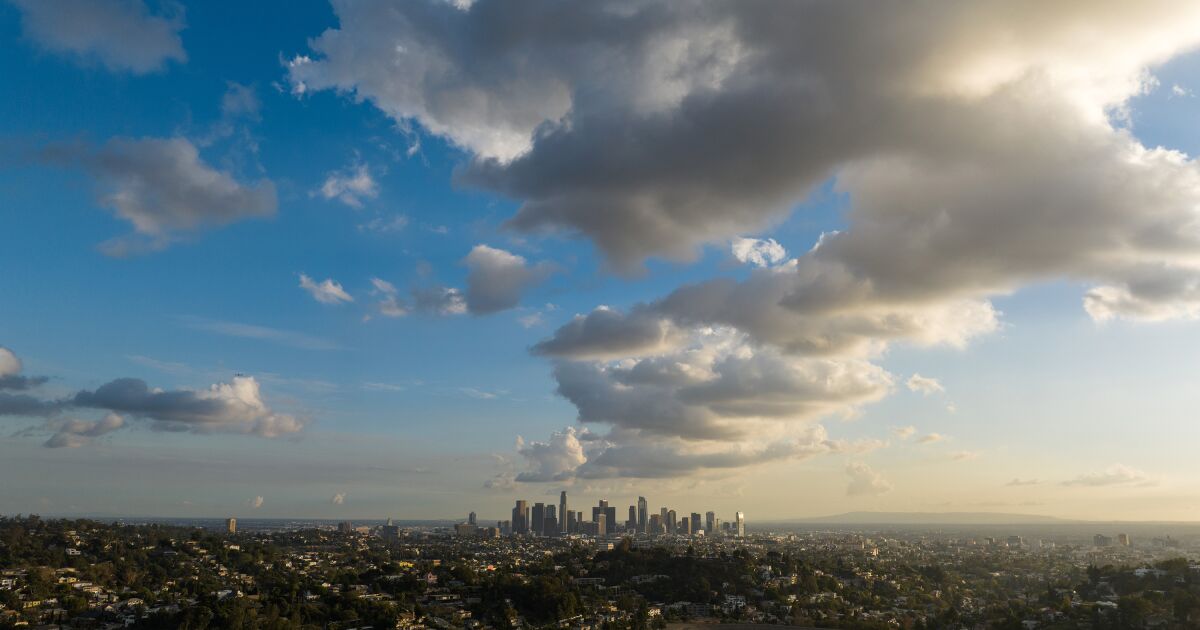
[(685, 527), (539, 518), (662, 516), (631, 523), (642, 515), (520, 517), (697, 524), (710, 523), (231, 525), (550, 526), (739, 524), (571, 522), (471, 519), (717, 525), (1123, 540), (610, 516), (601, 524), (562, 511), (655, 526), (672, 525)]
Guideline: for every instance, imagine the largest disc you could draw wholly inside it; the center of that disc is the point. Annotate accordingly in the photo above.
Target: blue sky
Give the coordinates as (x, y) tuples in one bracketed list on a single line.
[(412, 415)]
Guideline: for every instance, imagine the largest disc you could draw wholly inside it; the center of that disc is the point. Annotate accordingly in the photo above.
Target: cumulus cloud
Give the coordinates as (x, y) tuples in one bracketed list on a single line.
[(122, 35), (979, 147), (924, 384), (328, 291), (1115, 475), (439, 300), (10, 373), (77, 433), (553, 460), (339, 498), (758, 252), (496, 279), (607, 333), (255, 503), (234, 407), (164, 189), (350, 186), (864, 481), (930, 438)]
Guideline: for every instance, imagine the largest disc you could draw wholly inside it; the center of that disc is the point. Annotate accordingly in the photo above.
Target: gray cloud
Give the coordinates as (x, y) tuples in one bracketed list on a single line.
[(439, 300), (164, 189), (496, 279), (606, 333), (234, 407), (10, 373), (120, 34)]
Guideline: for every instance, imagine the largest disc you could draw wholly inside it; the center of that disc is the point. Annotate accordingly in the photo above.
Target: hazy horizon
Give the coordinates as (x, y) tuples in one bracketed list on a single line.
[(423, 258)]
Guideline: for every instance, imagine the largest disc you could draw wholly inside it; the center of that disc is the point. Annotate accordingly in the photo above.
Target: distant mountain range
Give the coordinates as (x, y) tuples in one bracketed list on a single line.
[(931, 518)]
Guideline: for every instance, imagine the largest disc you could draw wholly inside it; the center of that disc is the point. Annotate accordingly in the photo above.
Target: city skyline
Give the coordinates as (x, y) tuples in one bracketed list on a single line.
[(416, 259)]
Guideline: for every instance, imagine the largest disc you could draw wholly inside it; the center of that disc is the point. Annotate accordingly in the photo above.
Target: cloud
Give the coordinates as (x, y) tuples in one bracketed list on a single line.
[(930, 438), (439, 300), (255, 503), (250, 331), (1115, 475), (496, 279), (164, 189), (606, 333), (864, 481), (963, 456), (350, 186), (240, 101), (389, 303), (339, 498), (382, 225), (1017, 481), (553, 460), (924, 385), (904, 432), (758, 252), (531, 320), (327, 291), (77, 433), (234, 407), (10, 373), (122, 35)]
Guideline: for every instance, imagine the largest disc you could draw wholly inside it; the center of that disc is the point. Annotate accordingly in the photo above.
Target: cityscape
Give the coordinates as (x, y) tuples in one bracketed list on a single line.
[(599, 314)]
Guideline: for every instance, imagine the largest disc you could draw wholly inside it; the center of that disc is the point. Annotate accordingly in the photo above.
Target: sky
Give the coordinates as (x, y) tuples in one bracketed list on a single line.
[(415, 259)]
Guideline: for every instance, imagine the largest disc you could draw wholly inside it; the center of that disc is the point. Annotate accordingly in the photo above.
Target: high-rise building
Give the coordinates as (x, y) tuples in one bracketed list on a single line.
[(710, 523), (610, 516), (345, 527), (549, 522), (562, 511), (390, 531), (672, 525), (520, 517), (655, 526), (697, 524), (685, 526), (739, 525), (1123, 540), (601, 524), (642, 515), (471, 519), (539, 519), (572, 522), (631, 523), (231, 525)]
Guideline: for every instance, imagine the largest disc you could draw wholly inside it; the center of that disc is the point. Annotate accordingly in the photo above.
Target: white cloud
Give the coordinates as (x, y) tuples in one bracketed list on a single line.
[(864, 481), (1017, 481), (1115, 475), (963, 456), (120, 34), (923, 384), (328, 291), (256, 502), (350, 186), (389, 304), (164, 189), (10, 365), (931, 438), (384, 225), (758, 252), (262, 333), (77, 433), (531, 320), (904, 432), (339, 498)]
